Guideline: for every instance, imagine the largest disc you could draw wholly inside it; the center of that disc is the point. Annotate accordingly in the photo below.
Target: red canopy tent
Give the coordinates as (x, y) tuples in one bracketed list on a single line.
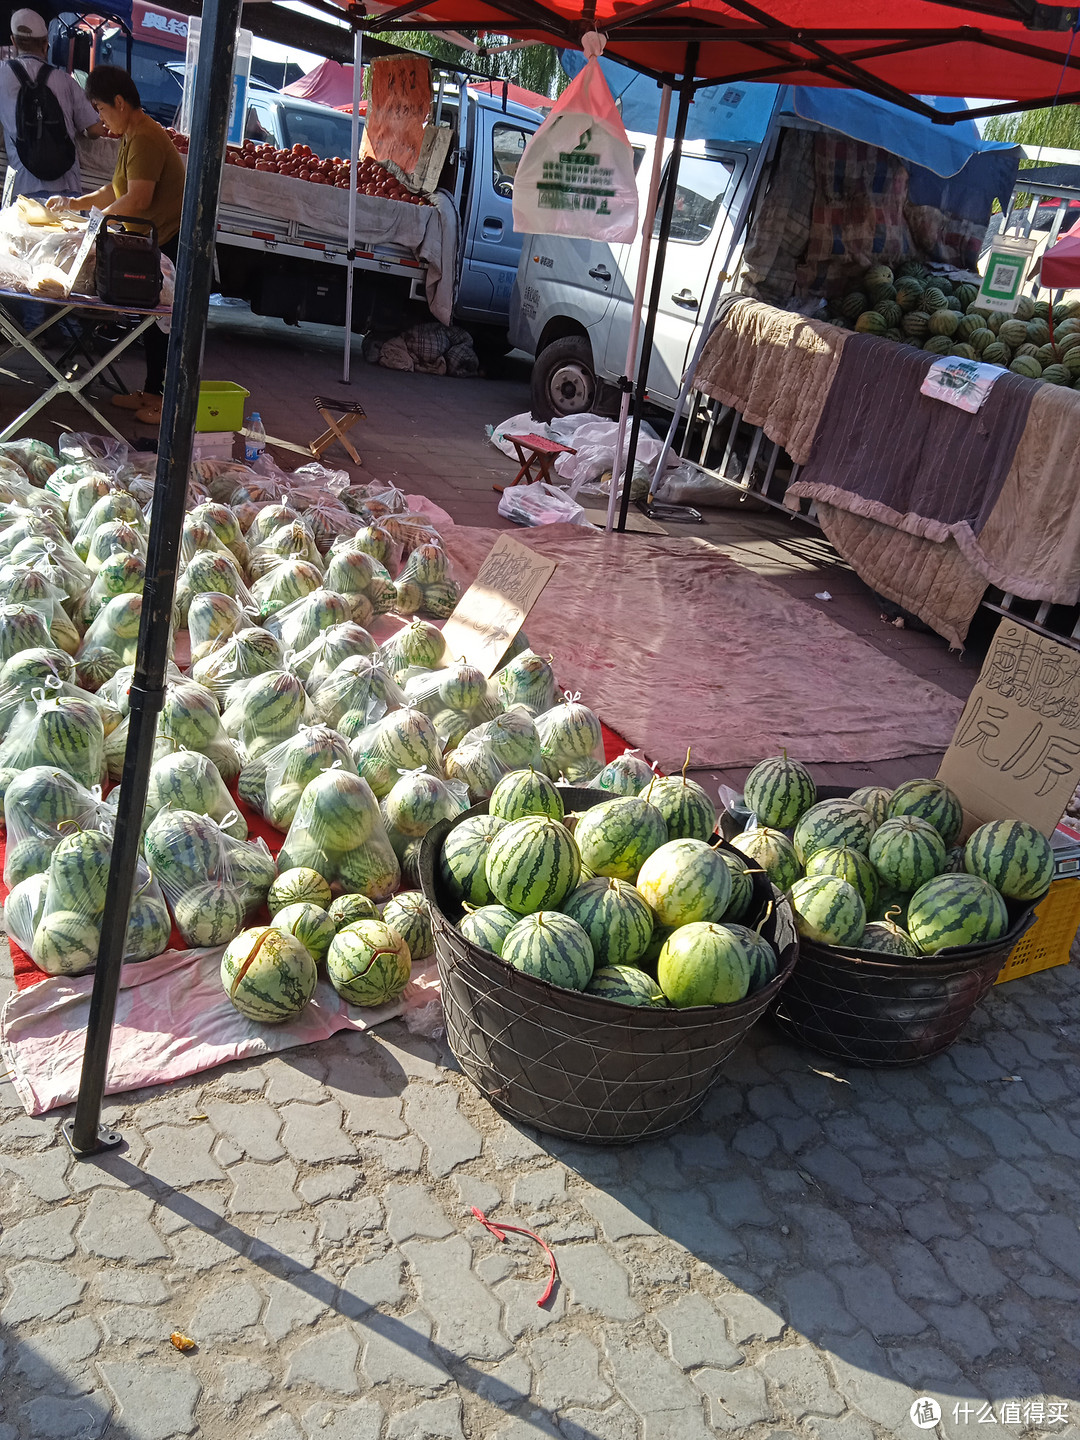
[(328, 84), (517, 93), (1060, 265)]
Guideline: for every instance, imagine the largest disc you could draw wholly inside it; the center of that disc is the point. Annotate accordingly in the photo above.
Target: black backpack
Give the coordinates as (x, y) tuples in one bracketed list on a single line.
[(42, 140)]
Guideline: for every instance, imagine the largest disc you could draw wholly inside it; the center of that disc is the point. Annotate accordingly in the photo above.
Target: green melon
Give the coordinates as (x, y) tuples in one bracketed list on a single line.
[(684, 881), (65, 943), (944, 322), (930, 800), (615, 916), (551, 946), (981, 340), (875, 800), (523, 793), (996, 354), (488, 926), (79, 873), (853, 305), (626, 985), (268, 975), (617, 837), (347, 908), (533, 864), (685, 805), (368, 963), (1056, 375), (933, 299), (463, 862), (29, 857), (850, 865), (627, 774), (916, 324), (955, 910), (1012, 333), (871, 322), (742, 887), (891, 905), (310, 924), (937, 345), (771, 851), (1026, 365), (761, 955), (410, 915), (831, 824), (828, 910), (703, 964), (298, 886), (962, 351), (209, 915), (779, 791), (1012, 856), (888, 939), (907, 852)]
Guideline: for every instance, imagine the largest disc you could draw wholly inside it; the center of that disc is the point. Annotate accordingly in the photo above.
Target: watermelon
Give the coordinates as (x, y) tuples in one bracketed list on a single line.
[(850, 865), (888, 938), (874, 799), (65, 943), (686, 807), (626, 985), (523, 793), (828, 910), (932, 801), (209, 915), (742, 889), (569, 731), (29, 857), (761, 955), (79, 873), (832, 824), (299, 886), (463, 862), (371, 868), (907, 852), (685, 880), (1013, 857), (627, 774), (551, 947), (617, 836), (148, 927), (310, 924), (463, 687), (251, 872), (771, 851), (409, 914), (420, 644), (616, 918), (416, 802), (779, 792), (488, 926), (338, 811), (871, 322), (527, 679), (181, 848), (703, 964), (582, 771), (368, 963), (347, 908), (954, 861), (24, 907), (953, 910), (268, 975), (532, 865)]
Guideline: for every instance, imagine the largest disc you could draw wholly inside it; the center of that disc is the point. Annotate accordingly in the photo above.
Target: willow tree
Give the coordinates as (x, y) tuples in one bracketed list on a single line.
[(1056, 129), (534, 67)]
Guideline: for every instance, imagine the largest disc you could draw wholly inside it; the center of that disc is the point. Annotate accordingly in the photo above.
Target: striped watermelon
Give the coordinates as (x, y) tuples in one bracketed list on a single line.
[(626, 985), (891, 905), (463, 687), (29, 857), (954, 861), (66, 732), (615, 917), (742, 889), (532, 865), (551, 947), (907, 852), (888, 939), (488, 926), (420, 644), (828, 910), (703, 964), (310, 924), (338, 811), (930, 800), (953, 910), (685, 880), (569, 731), (408, 740), (79, 873), (582, 771), (266, 710), (527, 679), (1013, 857), (874, 799), (463, 862), (181, 848), (409, 914), (371, 868), (298, 886), (347, 908), (209, 915), (416, 802), (616, 837), (832, 824), (686, 807), (627, 774), (65, 943), (368, 963), (779, 791), (523, 793), (761, 955), (268, 975), (771, 851), (850, 865)]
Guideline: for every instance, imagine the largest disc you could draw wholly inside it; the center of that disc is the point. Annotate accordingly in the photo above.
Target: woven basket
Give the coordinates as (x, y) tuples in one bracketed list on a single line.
[(576, 1065)]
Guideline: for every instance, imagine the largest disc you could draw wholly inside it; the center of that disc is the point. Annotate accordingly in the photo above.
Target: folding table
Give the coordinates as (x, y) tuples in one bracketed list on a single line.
[(73, 384)]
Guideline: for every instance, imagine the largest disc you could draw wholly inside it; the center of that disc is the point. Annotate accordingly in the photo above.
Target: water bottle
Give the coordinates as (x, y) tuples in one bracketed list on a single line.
[(255, 439)]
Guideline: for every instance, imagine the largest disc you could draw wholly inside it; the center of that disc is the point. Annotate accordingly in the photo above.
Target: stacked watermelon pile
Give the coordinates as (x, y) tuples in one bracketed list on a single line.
[(627, 900), (913, 307), (882, 871)]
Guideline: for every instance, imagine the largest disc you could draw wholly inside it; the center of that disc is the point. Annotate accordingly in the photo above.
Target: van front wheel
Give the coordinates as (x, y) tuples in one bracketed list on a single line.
[(563, 378)]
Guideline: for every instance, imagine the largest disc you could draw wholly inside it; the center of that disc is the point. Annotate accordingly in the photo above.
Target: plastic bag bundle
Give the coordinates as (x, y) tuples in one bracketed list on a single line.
[(411, 531), (266, 520), (382, 499), (528, 680), (94, 667), (457, 699), (17, 523), (82, 495), (114, 537), (116, 690), (300, 623), (212, 619), (293, 541), (23, 628), (84, 447), (197, 535), (262, 712), (121, 574), (402, 740), (58, 561), (211, 881), (353, 572), (37, 803), (274, 783), (426, 584), (416, 802), (116, 505), (116, 628), (251, 651), (338, 832), (209, 572), (223, 522), (359, 692), (377, 542), (31, 585), (571, 741), (188, 780), (494, 749), (53, 672), (417, 646), (316, 662), (627, 774), (37, 459), (61, 731), (287, 581)]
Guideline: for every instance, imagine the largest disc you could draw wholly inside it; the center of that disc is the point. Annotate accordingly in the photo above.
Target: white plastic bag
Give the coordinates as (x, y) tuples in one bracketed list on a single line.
[(540, 504), (576, 177)]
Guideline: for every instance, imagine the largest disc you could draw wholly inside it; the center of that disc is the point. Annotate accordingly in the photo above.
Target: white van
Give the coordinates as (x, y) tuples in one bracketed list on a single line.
[(572, 299)]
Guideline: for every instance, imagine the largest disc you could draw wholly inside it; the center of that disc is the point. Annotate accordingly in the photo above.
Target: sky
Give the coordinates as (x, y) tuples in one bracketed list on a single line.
[(270, 50)]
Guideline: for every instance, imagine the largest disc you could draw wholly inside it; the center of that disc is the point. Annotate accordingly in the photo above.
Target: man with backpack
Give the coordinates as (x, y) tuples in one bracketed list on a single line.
[(41, 110)]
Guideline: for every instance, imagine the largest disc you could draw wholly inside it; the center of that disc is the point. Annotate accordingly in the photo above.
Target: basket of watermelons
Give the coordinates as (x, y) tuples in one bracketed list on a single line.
[(597, 973), (902, 930)]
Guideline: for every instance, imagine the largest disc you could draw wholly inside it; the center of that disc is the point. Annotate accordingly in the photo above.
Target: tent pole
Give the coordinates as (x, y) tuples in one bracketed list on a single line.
[(194, 275), (686, 98), (354, 180), (639, 299)]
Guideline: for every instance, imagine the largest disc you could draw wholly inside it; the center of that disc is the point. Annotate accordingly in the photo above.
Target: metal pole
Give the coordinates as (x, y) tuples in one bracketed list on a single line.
[(686, 96), (194, 276), (354, 181), (639, 299)]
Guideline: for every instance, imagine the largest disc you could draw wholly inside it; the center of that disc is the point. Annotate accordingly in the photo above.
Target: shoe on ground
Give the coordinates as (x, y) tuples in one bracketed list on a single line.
[(138, 400), (149, 414)]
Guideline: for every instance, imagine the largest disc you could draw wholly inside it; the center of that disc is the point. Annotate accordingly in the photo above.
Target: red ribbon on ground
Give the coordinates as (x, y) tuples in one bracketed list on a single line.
[(520, 1230)]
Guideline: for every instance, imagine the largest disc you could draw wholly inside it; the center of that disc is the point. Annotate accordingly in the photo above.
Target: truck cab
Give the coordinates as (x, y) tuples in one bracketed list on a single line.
[(572, 299)]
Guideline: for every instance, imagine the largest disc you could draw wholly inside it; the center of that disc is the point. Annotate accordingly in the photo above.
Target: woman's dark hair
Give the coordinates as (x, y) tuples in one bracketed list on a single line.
[(106, 82)]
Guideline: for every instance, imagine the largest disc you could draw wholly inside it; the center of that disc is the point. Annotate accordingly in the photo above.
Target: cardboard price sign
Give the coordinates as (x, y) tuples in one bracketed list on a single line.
[(493, 609), (397, 110), (1015, 755)]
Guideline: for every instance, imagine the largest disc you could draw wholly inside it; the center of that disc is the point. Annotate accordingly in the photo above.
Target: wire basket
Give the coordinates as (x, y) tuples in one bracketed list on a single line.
[(580, 1066)]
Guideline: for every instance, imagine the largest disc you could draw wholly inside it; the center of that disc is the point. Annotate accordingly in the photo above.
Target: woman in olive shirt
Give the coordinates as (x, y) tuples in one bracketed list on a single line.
[(148, 183)]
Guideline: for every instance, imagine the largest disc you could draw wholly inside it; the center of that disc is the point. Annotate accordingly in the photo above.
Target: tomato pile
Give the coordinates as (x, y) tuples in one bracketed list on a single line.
[(300, 164)]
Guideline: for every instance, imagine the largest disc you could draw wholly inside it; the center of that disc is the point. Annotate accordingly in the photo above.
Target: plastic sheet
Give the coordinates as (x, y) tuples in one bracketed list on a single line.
[(63, 730), (338, 832), (528, 680), (213, 618), (188, 780), (293, 541), (417, 646), (274, 783), (116, 628), (427, 584)]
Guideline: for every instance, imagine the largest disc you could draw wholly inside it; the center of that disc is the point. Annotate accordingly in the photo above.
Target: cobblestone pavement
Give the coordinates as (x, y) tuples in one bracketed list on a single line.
[(819, 1247)]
